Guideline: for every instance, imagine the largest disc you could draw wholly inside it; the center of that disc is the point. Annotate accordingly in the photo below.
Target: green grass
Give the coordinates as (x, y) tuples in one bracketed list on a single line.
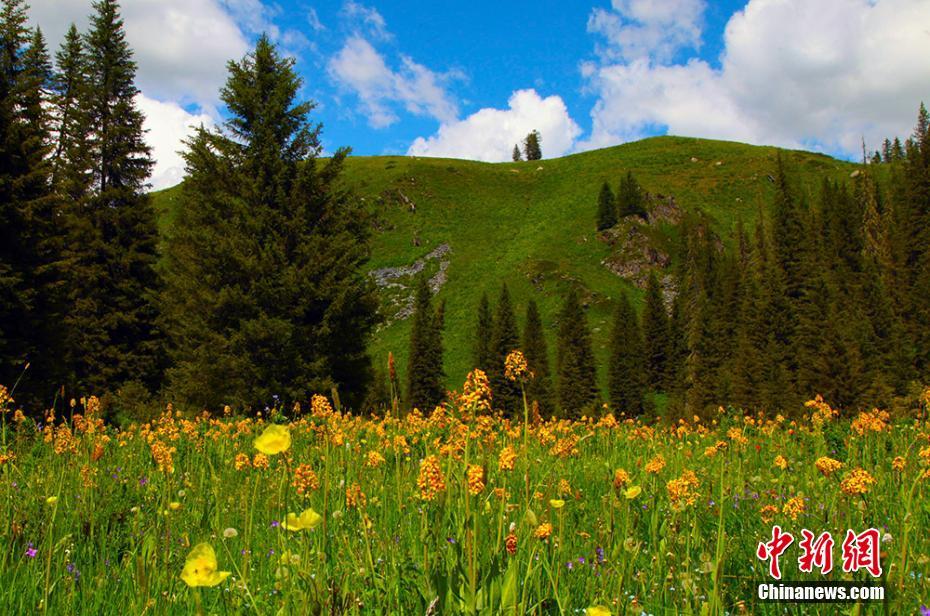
[(94, 526), (534, 228)]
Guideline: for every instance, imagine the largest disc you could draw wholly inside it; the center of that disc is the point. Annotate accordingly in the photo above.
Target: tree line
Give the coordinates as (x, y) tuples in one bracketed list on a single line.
[(824, 296), (255, 292)]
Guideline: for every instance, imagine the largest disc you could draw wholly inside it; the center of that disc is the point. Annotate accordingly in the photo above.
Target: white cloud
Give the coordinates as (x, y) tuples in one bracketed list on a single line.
[(180, 46), (167, 124), (360, 68), (796, 73), (366, 19), (490, 134), (648, 28)]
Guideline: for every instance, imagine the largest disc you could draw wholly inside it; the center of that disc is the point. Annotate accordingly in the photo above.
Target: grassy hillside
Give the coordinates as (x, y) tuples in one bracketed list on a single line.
[(531, 224)]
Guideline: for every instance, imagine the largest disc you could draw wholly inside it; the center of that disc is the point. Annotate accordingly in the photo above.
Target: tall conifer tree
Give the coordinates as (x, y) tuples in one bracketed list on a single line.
[(626, 371), (265, 290), (539, 389), (112, 249), (575, 361), (505, 338)]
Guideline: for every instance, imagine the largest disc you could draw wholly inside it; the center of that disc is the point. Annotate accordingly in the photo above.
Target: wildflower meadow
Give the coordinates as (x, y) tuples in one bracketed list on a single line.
[(311, 510)]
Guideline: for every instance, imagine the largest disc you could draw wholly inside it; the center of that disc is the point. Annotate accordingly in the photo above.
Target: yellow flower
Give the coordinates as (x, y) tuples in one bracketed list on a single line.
[(200, 567), (780, 462), (556, 503), (633, 492), (596, 610), (174, 506), (51, 500), (309, 519), (274, 440)]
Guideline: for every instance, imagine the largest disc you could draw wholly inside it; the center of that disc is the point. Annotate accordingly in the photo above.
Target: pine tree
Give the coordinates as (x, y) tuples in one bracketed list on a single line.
[(655, 336), (505, 338), (626, 371), (606, 208), (424, 366), (577, 386), (30, 279), (71, 160), (482, 356), (631, 201), (531, 146), (265, 293), (517, 157), (539, 388), (112, 248)]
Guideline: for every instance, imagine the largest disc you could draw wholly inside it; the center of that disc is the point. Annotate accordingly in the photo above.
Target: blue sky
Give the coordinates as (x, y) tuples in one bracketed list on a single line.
[(469, 79)]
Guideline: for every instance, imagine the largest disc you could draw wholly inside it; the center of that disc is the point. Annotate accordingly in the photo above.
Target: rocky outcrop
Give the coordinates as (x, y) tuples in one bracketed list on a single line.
[(397, 283), (635, 254)]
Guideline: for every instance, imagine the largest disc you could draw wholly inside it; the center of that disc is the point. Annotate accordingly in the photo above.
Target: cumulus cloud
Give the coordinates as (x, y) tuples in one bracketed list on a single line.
[(180, 46), (361, 69), (167, 124), (490, 134), (647, 28), (795, 73)]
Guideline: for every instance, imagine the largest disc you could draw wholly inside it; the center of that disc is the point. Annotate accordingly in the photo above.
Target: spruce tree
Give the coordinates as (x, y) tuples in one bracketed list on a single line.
[(606, 208), (517, 157), (626, 369), (539, 388), (112, 245), (71, 162), (577, 384), (30, 279), (655, 336), (424, 365), (531, 146), (265, 292), (505, 338), (631, 201), (482, 356)]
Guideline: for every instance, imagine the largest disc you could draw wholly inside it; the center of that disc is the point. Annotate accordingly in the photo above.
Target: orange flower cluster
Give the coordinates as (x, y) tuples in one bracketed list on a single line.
[(857, 482), (242, 462), (780, 462), (374, 459), (355, 498), (682, 491), (621, 478), (430, 480), (475, 476), (875, 421), (507, 459), (794, 507), (822, 413), (827, 466), (476, 392), (543, 531), (898, 464), (320, 407), (656, 464), (516, 368), (163, 456), (767, 513), (260, 461), (305, 479)]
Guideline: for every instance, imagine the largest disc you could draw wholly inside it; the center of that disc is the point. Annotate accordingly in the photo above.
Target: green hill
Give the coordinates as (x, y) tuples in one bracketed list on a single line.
[(475, 225)]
